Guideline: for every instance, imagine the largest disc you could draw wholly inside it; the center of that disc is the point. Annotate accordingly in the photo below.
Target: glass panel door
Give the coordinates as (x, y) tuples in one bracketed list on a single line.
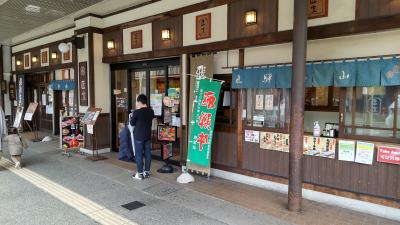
[(120, 95)]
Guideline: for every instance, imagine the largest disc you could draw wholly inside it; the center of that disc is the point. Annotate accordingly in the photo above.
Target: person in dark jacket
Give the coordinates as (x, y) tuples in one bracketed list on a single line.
[(142, 119)]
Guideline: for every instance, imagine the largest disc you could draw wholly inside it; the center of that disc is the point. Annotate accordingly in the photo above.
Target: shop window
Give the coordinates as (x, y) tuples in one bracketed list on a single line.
[(227, 110), (268, 108), (322, 99), (372, 111)]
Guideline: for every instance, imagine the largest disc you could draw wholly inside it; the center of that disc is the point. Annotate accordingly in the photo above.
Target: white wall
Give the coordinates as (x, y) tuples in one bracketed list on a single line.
[(219, 26), (381, 43), (225, 59), (338, 11), (146, 39), (101, 76), (148, 10), (44, 40)]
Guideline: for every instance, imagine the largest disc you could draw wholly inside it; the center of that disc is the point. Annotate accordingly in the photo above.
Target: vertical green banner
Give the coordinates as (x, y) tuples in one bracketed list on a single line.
[(202, 123)]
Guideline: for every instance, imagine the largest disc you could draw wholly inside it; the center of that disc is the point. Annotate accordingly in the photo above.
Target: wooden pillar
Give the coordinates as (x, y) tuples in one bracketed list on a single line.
[(239, 130), (297, 109)]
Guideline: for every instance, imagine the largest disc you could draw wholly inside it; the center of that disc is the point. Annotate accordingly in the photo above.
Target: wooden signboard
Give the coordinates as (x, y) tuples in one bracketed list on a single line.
[(137, 39), (317, 8), (11, 91), (83, 90), (18, 117), (30, 111), (203, 26)]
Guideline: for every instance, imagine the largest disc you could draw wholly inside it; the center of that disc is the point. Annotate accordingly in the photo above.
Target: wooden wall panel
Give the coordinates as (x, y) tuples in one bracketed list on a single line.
[(175, 25), (54, 48), (224, 149), (376, 8), (35, 53), (379, 179), (267, 18), (116, 36)]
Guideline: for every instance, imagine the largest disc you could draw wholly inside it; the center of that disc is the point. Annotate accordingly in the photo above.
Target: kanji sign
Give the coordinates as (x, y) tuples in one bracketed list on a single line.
[(202, 122), (389, 155), (317, 8)]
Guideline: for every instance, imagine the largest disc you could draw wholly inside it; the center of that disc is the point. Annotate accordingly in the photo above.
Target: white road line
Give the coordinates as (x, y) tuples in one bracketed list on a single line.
[(87, 207)]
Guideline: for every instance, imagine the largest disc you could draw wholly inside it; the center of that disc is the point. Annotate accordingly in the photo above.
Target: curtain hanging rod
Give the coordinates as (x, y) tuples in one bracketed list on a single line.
[(314, 61), (195, 76)]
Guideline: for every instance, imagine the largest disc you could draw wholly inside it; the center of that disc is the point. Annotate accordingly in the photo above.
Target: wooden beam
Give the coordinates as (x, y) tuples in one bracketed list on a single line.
[(239, 130)]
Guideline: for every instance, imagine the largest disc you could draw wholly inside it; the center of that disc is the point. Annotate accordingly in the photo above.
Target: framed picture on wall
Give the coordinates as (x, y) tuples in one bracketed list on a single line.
[(66, 57), (4, 86), (83, 90), (317, 8), (137, 39), (203, 26), (44, 57), (11, 91), (27, 61)]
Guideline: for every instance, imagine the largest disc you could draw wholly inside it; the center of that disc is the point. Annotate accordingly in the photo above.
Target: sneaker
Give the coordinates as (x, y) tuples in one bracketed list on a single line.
[(138, 176), (146, 174)]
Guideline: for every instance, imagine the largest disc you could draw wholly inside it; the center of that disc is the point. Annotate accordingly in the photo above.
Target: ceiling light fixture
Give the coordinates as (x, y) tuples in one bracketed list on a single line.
[(32, 8)]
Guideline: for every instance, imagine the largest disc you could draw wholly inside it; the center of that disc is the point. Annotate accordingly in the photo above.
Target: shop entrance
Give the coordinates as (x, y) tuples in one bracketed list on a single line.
[(156, 79)]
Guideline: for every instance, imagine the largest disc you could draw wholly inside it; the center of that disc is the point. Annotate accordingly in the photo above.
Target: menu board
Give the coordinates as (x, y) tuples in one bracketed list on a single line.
[(365, 152), (389, 155), (30, 111), (274, 141), (347, 150), (18, 117), (91, 116), (166, 133), (72, 132), (167, 151)]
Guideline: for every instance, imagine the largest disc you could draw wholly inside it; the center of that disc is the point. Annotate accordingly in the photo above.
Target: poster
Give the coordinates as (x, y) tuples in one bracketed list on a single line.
[(364, 152), (166, 133), (285, 142), (71, 132), (252, 136), (269, 102), (347, 150), (167, 151), (389, 155), (18, 117), (259, 102), (156, 103), (266, 140), (30, 111), (309, 147), (327, 147), (202, 122)]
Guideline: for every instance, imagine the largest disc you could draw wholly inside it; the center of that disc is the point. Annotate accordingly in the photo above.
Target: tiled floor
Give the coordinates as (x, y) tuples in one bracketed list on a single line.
[(265, 201)]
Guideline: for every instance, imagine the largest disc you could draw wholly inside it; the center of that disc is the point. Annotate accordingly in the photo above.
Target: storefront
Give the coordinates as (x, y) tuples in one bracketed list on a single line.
[(156, 79)]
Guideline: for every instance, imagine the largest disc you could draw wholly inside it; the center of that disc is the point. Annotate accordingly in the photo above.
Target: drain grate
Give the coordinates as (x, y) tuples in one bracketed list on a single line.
[(133, 205)]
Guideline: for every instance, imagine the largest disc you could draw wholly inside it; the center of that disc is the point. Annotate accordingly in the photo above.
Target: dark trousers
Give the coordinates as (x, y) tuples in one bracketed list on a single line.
[(140, 148)]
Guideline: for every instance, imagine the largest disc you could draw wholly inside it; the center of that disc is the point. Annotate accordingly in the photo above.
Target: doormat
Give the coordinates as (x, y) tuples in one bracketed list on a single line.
[(133, 205)]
